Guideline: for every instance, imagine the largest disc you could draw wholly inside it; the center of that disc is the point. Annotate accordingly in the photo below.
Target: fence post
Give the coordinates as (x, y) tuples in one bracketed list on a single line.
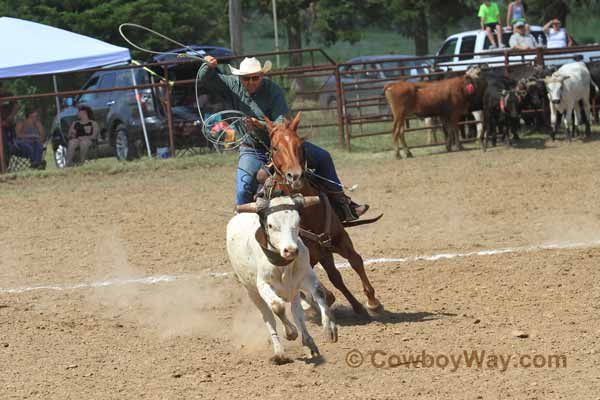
[(539, 56), (168, 107), (339, 104)]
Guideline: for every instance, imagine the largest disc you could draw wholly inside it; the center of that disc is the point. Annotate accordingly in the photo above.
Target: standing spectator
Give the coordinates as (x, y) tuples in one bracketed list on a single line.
[(81, 134), (490, 22), (557, 36), (516, 13), (30, 138), (520, 39)]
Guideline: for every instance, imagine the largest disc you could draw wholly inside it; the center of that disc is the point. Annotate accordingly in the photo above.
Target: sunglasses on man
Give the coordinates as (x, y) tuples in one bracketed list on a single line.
[(255, 78)]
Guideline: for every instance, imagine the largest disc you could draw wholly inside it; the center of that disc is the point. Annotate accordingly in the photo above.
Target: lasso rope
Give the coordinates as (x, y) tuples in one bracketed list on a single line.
[(221, 128), (222, 124)]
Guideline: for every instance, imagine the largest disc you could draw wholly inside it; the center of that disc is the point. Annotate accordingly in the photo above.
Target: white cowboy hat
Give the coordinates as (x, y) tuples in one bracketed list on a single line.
[(251, 66)]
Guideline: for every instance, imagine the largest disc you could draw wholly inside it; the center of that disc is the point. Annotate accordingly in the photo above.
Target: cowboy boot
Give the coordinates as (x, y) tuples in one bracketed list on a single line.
[(345, 208)]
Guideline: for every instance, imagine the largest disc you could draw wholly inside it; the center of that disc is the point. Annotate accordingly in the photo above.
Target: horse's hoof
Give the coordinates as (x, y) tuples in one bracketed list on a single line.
[(280, 359), (375, 308)]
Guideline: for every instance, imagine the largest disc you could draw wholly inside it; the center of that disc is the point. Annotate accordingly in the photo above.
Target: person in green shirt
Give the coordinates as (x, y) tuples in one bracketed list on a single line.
[(249, 91), (490, 22)]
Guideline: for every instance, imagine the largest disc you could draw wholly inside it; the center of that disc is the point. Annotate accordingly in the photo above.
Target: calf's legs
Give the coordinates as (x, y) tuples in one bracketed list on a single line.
[(312, 286), (269, 319), (298, 315), (398, 136)]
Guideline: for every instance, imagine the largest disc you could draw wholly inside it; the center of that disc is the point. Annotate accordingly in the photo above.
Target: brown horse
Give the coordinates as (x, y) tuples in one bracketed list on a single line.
[(321, 228)]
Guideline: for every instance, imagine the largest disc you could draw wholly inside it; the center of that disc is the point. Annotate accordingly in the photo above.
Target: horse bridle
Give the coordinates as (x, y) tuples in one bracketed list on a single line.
[(279, 172)]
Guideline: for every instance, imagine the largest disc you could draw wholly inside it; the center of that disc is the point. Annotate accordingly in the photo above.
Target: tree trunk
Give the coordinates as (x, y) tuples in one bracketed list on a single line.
[(294, 33), (556, 9), (421, 34), (235, 26)]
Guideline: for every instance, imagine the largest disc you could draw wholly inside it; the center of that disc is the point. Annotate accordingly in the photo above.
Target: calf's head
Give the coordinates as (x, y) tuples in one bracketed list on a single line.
[(279, 222), (510, 102), (533, 91), (554, 86)]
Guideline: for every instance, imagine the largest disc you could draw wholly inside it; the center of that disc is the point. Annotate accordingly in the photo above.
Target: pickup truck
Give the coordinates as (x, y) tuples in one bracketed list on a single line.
[(457, 51)]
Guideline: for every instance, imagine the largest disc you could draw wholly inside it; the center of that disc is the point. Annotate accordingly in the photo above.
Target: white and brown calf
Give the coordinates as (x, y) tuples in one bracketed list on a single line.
[(272, 263)]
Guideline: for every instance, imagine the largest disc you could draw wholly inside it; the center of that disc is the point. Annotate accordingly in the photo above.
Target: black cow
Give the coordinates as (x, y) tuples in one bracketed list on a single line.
[(594, 68), (501, 109)]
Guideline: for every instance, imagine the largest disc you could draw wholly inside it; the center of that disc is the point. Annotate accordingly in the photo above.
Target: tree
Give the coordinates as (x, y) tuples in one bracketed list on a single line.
[(187, 21), (235, 26)]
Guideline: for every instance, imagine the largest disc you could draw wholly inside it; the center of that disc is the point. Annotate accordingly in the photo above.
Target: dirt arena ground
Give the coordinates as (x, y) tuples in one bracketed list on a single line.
[(112, 286)]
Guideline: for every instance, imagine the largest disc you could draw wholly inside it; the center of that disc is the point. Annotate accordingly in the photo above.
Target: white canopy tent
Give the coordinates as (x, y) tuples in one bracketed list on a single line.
[(29, 48)]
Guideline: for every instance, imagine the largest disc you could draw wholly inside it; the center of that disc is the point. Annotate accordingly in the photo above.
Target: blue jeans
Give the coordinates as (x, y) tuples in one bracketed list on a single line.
[(31, 150), (251, 160)]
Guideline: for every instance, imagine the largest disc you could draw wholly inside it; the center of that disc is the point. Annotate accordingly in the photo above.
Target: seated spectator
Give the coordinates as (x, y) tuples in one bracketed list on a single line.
[(30, 138), (8, 112), (516, 13), (557, 36), (490, 22), (520, 39), (81, 134)]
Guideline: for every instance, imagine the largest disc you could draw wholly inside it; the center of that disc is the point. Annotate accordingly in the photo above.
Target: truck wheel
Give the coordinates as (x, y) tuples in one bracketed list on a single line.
[(60, 156), (121, 143)]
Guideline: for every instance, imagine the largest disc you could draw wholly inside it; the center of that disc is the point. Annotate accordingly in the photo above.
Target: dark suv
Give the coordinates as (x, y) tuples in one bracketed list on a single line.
[(117, 114)]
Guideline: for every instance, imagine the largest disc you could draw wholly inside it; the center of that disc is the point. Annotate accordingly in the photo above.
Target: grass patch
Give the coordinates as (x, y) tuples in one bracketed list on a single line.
[(110, 166)]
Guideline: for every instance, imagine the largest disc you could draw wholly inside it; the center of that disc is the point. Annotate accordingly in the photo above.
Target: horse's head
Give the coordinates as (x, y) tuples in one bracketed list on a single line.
[(287, 152)]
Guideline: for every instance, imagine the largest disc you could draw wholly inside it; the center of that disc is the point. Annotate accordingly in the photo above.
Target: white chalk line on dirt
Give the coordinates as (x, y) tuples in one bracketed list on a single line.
[(151, 280)]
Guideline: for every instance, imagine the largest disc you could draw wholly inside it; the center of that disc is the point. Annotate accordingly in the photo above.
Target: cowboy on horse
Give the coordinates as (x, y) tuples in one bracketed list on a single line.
[(259, 98)]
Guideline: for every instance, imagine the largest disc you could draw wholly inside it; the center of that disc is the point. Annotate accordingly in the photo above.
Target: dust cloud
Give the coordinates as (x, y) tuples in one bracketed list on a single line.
[(188, 306)]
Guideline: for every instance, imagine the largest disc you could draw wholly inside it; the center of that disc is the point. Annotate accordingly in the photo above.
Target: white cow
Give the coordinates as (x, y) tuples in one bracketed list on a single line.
[(273, 265), (566, 87)]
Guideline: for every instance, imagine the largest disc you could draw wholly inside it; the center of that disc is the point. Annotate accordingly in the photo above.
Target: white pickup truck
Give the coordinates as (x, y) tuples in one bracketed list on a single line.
[(457, 51)]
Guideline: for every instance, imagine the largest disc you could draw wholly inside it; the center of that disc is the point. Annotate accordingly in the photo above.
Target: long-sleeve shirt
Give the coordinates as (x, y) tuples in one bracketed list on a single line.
[(268, 100)]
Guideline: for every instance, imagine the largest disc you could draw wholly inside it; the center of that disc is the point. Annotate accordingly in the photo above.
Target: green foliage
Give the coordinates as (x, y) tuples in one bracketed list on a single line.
[(187, 21)]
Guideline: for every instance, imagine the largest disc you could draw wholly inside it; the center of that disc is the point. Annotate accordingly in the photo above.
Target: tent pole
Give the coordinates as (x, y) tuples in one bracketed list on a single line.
[(141, 112), (57, 99), (2, 166)]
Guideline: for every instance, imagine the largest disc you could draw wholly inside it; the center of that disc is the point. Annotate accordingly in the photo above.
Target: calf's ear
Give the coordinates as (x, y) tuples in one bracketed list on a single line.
[(261, 237)]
